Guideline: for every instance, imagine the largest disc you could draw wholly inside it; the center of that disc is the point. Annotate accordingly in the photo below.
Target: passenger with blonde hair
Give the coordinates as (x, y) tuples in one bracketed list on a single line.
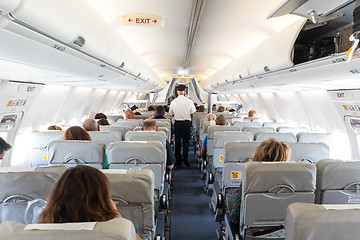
[(210, 117), (269, 150), (81, 194)]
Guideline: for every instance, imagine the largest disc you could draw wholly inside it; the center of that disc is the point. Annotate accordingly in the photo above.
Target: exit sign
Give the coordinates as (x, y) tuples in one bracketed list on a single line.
[(141, 20)]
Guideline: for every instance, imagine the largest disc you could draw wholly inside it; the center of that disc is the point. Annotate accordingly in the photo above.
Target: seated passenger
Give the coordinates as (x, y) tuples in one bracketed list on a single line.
[(54, 127), (81, 194), (269, 150), (137, 113), (128, 114), (103, 122), (252, 113), (4, 146), (221, 109), (76, 133), (159, 112), (220, 120), (100, 115), (150, 125), (151, 108), (210, 117), (201, 108), (91, 125), (213, 108)]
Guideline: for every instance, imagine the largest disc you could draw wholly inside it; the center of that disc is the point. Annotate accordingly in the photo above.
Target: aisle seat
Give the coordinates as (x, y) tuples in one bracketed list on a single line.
[(241, 125), (146, 136), (118, 228), (338, 182), (322, 222), (75, 152), (283, 137), (131, 123), (105, 137), (111, 128), (255, 130)]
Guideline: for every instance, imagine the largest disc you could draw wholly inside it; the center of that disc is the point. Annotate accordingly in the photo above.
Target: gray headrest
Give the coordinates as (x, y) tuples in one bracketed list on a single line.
[(239, 151), (230, 136), (57, 169), (41, 139), (261, 176), (254, 130), (205, 127), (61, 152), (315, 138), (240, 125), (251, 119), (274, 125), (31, 184), (146, 136), (337, 174), (217, 128), (111, 128), (132, 123), (291, 130), (105, 137), (118, 228), (312, 152), (306, 221), (283, 137), (149, 152)]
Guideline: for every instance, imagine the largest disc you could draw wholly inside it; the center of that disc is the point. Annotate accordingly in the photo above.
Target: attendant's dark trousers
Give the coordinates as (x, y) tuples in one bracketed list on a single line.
[(182, 133)]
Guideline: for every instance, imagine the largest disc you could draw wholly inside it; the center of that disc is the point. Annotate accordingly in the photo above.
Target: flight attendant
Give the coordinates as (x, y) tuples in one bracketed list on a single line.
[(182, 109)]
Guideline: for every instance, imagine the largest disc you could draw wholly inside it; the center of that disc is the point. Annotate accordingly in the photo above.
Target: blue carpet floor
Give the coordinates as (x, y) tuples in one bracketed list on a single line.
[(191, 216)]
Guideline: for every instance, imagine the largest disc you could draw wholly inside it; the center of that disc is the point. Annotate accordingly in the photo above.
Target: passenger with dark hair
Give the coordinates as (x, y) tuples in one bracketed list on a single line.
[(213, 108), (81, 194), (150, 125), (151, 108), (137, 113), (4, 146), (103, 122), (91, 125), (166, 107), (201, 108), (54, 127), (100, 115), (221, 109), (160, 112), (76, 133), (133, 108), (269, 150)]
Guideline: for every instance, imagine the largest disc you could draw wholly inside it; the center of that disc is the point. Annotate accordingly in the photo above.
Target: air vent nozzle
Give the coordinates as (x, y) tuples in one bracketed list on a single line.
[(79, 41)]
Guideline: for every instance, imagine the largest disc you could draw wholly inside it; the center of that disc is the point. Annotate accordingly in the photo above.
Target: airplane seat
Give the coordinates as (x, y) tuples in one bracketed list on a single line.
[(118, 228), (274, 125), (75, 152), (142, 117), (133, 193), (115, 117), (338, 182), (293, 130), (310, 152), (251, 119), (236, 119), (23, 194), (112, 128), (146, 136), (283, 137), (160, 129), (38, 143), (131, 123), (269, 188), (241, 125), (322, 222), (255, 130), (210, 136), (140, 155), (105, 137), (326, 138)]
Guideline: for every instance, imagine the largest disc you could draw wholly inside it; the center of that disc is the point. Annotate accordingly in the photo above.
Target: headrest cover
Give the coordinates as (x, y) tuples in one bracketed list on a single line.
[(239, 151), (337, 174), (260, 177), (283, 137), (149, 152), (146, 136), (59, 152), (105, 137), (213, 129), (230, 136), (240, 125), (312, 152)]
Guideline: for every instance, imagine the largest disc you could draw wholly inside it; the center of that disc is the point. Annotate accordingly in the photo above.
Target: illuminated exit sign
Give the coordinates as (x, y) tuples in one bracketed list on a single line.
[(141, 20)]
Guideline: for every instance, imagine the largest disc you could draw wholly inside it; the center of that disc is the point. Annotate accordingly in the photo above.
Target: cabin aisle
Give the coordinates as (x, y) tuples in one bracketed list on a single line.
[(191, 216)]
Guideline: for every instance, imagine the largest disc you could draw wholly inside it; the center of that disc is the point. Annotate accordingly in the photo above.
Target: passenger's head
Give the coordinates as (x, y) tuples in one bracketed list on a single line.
[(129, 114), (220, 109), (81, 194), (4, 146), (54, 127), (220, 120), (201, 108), (214, 107), (149, 124), (160, 110), (151, 108), (210, 117), (103, 122), (181, 89), (91, 125), (137, 113), (100, 115), (252, 113), (272, 150), (76, 133)]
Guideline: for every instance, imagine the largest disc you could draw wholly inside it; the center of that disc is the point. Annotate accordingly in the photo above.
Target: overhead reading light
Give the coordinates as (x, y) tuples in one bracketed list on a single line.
[(59, 47), (122, 65), (79, 41), (266, 69), (355, 71)]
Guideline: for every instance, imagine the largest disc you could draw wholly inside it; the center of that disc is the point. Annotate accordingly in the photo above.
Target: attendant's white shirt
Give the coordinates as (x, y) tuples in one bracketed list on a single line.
[(181, 108)]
